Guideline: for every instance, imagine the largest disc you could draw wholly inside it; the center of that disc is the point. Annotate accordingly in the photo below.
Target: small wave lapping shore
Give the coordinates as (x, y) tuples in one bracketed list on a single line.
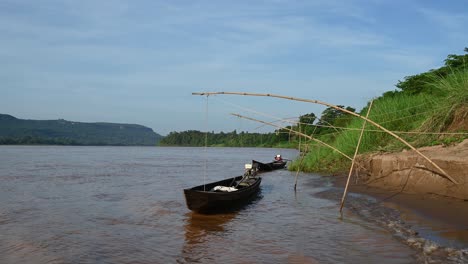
[(434, 226)]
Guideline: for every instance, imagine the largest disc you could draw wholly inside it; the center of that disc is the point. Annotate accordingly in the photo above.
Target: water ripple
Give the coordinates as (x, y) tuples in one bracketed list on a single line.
[(126, 205)]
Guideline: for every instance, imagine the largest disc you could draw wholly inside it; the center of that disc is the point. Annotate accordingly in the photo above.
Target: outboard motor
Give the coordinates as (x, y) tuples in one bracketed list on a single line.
[(250, 170)]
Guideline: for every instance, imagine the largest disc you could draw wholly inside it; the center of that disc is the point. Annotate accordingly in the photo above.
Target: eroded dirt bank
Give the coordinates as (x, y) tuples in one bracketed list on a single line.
[(408, 172)]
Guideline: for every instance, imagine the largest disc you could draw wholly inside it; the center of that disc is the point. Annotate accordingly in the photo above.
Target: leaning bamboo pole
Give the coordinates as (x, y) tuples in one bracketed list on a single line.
[(354, 157), (300, 134), (443, 173), (298, 168), (293, 131), (300, 163)]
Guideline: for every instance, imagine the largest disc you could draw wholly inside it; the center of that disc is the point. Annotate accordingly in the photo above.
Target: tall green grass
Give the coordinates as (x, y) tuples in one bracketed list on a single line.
[(453, 91), (429, 112)]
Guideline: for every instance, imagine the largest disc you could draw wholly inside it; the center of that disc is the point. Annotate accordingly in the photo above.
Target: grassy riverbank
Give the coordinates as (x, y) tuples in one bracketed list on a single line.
[(440, 106)]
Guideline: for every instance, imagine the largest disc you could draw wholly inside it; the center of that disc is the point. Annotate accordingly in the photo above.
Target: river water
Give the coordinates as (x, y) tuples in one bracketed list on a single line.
[(63, 204)]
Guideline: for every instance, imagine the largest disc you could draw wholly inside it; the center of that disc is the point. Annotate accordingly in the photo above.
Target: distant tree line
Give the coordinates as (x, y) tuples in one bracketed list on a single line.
[(197, 138), (280, 137)]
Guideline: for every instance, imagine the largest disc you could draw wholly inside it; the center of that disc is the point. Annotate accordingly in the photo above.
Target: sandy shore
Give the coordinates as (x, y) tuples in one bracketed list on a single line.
[(439, 218), (398, 180), (447, 210)]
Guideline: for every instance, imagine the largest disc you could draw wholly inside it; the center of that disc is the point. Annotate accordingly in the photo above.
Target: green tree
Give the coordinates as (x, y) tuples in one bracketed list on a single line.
[(306, 121), (333, 117), (421, 83)]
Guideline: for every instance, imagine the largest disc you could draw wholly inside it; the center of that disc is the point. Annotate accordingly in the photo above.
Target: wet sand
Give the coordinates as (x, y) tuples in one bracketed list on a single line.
[(449, 210), (442, 219)]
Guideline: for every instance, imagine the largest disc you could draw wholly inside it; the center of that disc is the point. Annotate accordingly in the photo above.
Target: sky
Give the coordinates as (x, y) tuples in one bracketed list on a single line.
[(139, 61)]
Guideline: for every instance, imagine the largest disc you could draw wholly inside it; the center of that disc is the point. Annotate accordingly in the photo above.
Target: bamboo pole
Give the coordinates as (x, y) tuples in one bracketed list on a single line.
[(300, 138), (354, 158), (307, 136), (443, 173), (297, 172), (302, 134), (302, 159)]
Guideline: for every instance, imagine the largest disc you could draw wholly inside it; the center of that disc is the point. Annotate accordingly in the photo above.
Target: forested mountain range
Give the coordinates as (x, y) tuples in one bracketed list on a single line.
[(63, 132)]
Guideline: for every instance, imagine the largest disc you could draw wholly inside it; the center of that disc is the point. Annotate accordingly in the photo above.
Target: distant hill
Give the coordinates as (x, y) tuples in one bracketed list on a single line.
[(63, 132)]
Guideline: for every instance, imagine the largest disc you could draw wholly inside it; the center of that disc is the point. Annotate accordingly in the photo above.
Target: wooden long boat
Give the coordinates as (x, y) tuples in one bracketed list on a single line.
[(218, 196), (262, 167)]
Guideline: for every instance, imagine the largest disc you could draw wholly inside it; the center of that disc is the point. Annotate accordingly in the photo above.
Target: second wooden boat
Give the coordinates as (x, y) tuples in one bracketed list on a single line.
[(262, 167)]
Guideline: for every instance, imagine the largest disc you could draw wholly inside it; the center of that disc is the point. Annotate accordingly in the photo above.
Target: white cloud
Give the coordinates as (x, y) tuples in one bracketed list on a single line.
[(136, 51)]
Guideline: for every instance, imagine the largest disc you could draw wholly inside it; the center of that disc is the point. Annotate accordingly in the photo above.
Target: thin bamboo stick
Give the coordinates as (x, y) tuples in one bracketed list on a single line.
[(300, 163), (445, 174), (290, 130), (354, 158), (297, 172), (302, 134), (394, 131)]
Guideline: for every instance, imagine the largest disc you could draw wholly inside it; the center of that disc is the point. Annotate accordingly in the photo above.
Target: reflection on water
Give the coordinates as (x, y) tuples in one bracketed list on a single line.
[(199, 229), (202, 229), (126, 205), (199, 225)]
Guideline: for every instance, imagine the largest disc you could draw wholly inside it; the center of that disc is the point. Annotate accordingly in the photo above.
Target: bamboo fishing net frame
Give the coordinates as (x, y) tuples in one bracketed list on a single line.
[(443, 173), (339, 129), (295, 132)]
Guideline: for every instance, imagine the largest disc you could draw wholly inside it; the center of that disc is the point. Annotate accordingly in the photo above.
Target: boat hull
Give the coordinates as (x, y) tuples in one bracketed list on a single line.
[(262, 167), (202, 199)]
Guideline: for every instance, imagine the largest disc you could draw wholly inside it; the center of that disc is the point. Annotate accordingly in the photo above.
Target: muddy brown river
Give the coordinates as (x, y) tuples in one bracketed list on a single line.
[(63, 204)]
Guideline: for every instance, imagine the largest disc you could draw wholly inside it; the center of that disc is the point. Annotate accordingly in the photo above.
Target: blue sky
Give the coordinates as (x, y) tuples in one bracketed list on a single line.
[(139, 61)]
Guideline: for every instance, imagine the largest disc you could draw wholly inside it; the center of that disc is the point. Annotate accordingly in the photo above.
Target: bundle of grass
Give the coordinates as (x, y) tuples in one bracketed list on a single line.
[(452, 94)]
